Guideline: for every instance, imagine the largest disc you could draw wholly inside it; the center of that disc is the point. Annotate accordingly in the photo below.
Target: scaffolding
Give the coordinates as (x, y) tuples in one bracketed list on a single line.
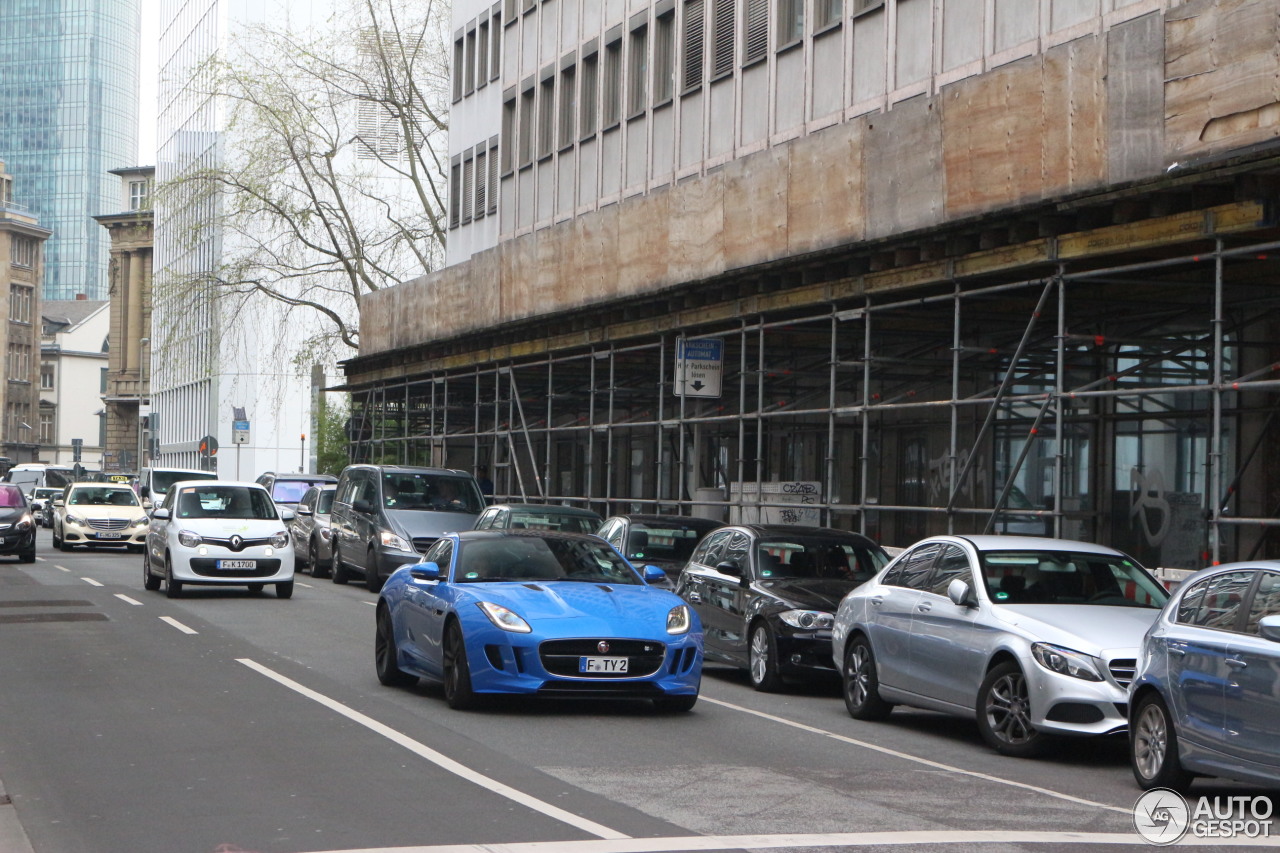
[(1118, 398)]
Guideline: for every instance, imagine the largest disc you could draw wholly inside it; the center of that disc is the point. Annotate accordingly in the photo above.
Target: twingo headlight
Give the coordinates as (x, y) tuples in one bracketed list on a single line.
[(1066, 661), (808, 620), (189, 539), (504, 618), (280, 539), (390, 540), (678, 620)]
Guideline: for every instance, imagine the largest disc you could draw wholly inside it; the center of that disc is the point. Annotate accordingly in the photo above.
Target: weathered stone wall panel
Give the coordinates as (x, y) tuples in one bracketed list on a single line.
[(755, 207), (1135, 99), (825, 204), (904, 174)]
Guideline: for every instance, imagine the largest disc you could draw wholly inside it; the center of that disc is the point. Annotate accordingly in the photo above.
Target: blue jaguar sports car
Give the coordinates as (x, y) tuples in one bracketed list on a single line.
[(537, 613)]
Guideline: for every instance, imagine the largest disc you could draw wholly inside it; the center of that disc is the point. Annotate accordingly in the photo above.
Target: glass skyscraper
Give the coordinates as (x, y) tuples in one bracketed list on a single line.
[(68, 115)]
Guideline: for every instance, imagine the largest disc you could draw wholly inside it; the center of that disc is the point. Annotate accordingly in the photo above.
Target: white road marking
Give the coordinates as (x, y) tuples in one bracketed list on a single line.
[(906, 756), (304, 585), (127, 600), (41, 559), (371, 603), (440, 760), (175, 623), (62, 568), (91, 581), (833, 839)]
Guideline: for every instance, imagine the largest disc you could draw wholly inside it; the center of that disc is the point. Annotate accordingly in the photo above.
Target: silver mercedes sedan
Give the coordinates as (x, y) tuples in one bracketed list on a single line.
[(1033, 637)]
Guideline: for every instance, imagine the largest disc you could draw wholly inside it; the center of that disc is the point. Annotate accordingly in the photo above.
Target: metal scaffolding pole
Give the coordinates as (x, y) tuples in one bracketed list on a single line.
[(953, 447), (608, 463), (1215, 454), (831, 419), (1059, 383), (865, 414)]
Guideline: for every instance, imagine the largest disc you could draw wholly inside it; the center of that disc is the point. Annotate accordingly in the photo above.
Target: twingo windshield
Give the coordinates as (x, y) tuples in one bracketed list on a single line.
[(1068, 577), (228, 502), (817, 557), (402, 490), (162, 480), (534, 558), (101, 496)]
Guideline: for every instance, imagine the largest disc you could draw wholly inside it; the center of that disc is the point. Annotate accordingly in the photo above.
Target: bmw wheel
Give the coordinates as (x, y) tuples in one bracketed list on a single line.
[(457, 673), (1153, 747), (861, 684), (386, 655), (1004, 713), (762, 659)]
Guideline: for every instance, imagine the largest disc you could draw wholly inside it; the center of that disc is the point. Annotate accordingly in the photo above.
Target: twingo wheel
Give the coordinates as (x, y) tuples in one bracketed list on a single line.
[(762, 659), (150, 582), (386, 655), (861, 683), (457, 673), (1004, 713), (284, 589), (172, 588), (1153, 747)]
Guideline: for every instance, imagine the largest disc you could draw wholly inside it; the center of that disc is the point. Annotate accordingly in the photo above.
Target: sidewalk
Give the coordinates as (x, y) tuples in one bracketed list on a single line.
[(13, 839)]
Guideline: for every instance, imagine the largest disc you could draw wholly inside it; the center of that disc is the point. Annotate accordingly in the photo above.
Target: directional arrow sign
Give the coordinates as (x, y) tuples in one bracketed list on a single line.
[(699, 367)]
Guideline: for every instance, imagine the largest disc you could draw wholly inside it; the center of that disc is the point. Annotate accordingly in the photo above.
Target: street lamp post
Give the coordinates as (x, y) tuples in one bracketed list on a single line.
[(143, 347)]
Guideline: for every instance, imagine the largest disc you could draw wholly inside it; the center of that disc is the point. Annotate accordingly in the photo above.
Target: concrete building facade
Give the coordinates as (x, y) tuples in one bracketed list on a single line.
[(127, 399), (22, 242), (965, 265), (73, 379)]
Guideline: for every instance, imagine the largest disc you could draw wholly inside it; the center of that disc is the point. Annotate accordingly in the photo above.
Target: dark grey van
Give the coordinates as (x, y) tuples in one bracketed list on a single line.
[(387, 515)]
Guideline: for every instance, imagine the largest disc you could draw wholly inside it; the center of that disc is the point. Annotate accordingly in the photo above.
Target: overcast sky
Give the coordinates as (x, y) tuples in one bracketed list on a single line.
[(148, 77)]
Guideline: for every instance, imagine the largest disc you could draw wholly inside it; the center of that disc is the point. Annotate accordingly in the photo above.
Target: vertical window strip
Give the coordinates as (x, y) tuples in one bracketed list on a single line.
[(755, 39), (664, 44), (455, 192), (495, 50), (493, 177), (612, 90), (826, 13), (694, 43), (468, 181), (525, 136), (469, 64), (638, 84), (480, 204), (508, 135), (722, 37), (546, 116), (568, 105), (790, 21), (482, 54), (590, 92), (458, 59)]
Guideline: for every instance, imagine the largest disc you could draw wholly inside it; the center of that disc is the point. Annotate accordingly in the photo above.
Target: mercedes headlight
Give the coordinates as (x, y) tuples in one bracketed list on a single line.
[(390, 540), (678, 620), (504, 618), (809, 620), (76, 520), (189, 539), (280, 539), (1066, 661), (141, 522)]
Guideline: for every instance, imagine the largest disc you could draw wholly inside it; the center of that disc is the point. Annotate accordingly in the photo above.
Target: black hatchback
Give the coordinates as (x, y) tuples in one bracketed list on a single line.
[(17, 525), (767, 595)]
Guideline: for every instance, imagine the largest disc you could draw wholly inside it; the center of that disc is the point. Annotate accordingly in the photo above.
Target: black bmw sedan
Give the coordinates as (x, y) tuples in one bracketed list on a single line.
[(767, 595)]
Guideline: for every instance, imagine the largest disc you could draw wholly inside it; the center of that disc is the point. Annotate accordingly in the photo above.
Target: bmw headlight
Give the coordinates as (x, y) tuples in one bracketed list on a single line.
[(809, 620), (390, 540), (678, 620), (1066, 661), (141, 522), (189, 539), (504, 618), (280, 539), (77, 521)]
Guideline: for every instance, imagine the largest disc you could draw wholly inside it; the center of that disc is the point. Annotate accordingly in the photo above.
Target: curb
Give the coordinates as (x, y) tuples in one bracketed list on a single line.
[(13, 838)]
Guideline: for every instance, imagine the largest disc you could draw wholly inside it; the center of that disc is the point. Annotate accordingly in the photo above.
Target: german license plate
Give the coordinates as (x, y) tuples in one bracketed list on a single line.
[(105, 535), (237, 564), (586, 664)]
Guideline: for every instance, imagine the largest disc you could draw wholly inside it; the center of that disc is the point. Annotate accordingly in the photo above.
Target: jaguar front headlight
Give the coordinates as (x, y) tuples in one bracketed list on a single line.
[(678, 620), (1066, 661), (504, 618), (808, 620)]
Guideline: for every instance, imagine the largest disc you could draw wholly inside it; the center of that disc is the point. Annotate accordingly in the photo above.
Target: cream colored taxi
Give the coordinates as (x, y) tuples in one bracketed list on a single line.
[(97, 514)]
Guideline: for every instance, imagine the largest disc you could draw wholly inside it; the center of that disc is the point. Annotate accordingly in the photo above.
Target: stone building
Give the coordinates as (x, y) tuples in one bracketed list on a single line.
[(21, 270), (127, 395), (950, 265)]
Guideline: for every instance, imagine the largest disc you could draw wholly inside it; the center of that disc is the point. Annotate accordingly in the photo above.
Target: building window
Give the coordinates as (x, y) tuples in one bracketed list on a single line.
[(826, 13), (482, 54), (139, 195), (455, 193), (755, 35), (495, 48), (482, 174), (469, 63), (20, 298), (664, 47), (722, 38), (860, 6), (695, 36), (638, 84), (46, 428), (493, 176), (547, 115), (590, 92), (102, 380), (46, 376), (468, 181), (508, 134), (459, 57), (509, 9), (568, 105), (19, 362), (525, 137), (790, 21), (24, 251), (611, 110)]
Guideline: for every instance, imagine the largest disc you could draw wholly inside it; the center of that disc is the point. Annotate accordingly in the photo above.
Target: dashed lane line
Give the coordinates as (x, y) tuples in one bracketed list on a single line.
[(906, 756), (175, 623), (439, 759), (91, 581), (127, 600), (62, 568)]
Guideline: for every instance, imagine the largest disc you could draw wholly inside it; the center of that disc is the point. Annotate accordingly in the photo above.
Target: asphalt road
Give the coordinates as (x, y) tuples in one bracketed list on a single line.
[(230, 721)]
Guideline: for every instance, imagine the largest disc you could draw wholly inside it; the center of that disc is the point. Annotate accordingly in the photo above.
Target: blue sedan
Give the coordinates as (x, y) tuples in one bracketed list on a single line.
[(538, 613)]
